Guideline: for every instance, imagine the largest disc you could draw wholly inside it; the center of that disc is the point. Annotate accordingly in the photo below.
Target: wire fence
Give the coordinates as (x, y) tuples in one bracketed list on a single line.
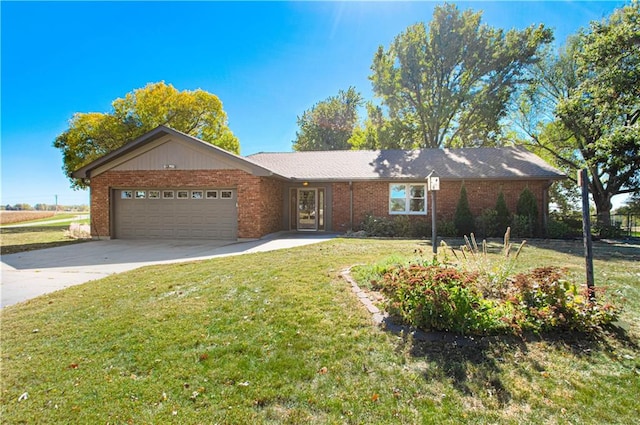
[(629, 224)]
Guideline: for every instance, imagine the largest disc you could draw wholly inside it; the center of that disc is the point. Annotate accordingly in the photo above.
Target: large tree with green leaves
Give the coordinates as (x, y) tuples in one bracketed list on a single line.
[(584, 110), (448, 85), (330, 123), (91, 135)]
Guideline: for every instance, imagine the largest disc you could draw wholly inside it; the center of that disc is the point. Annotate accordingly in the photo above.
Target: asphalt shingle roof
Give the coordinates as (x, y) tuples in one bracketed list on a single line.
[(465, 163)]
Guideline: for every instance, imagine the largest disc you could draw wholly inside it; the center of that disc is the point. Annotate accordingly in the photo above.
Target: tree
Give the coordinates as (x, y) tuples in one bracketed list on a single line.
[(449, 86), (379, 132), (330, 123), (632, 206), (585, 108), (91, 135)]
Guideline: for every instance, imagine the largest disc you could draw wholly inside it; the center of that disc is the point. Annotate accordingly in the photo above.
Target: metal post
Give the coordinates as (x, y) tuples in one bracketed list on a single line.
[(434, 230), (583, 179)]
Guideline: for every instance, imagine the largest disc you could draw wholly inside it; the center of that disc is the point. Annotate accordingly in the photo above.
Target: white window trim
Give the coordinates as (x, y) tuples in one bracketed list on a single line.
[(223, 194), (408, 199)]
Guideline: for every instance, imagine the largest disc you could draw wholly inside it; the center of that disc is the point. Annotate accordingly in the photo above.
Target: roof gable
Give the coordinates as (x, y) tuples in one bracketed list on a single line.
[(163, 148)]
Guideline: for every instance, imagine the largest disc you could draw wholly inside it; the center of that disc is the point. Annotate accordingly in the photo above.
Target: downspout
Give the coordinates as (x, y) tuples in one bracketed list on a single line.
[(545, 210), (350, 205)]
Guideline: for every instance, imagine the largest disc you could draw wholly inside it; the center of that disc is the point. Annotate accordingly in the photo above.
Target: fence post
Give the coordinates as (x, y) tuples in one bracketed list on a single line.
[(583, 180)]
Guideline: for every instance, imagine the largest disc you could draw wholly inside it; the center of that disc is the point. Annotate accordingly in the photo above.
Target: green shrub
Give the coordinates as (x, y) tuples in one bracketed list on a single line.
[(548, 301), (463, 218), (482, 295), (439, 298), (446, 228), (378, 226), (402, 226), (527, 207), (558, 229), (503, 216), (487, 223), (613, 232), (523, 226), (397, 226), (421, 229)]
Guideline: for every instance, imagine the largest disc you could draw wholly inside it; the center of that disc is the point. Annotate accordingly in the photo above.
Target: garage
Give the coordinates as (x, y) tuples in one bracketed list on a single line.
[(169, 213)]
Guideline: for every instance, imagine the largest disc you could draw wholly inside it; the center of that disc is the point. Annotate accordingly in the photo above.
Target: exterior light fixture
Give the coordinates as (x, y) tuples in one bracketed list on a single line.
[(169, 166)]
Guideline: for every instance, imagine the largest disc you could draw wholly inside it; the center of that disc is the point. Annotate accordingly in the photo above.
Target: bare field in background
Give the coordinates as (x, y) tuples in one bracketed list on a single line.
[(8, 217)]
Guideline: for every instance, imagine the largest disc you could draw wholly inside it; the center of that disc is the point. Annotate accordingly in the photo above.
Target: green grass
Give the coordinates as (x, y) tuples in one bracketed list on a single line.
[(44, 234), (279, 338)]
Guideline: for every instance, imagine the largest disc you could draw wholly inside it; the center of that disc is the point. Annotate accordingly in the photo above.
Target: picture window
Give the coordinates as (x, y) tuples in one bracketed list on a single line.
[(407, 198)]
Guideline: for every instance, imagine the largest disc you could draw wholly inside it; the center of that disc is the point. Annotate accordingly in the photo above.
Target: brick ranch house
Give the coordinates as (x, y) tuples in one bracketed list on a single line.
[(166, 184)]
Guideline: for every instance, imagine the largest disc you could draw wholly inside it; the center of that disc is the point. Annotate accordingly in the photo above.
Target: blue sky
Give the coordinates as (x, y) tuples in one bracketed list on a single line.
[(266, 61)]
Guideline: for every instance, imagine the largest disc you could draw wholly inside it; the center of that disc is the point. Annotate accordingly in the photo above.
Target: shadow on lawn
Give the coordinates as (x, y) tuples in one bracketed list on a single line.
[(475, 364)]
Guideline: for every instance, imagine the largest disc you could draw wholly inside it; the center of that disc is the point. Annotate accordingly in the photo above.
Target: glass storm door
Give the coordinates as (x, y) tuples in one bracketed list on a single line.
[(307, 209)]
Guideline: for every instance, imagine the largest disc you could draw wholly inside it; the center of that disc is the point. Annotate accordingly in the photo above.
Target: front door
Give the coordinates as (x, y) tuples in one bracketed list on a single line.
[(307, 209)]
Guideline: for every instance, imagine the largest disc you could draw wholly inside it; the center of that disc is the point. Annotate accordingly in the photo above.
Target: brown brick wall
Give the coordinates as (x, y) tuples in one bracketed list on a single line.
[(373, 198), (259, 198)]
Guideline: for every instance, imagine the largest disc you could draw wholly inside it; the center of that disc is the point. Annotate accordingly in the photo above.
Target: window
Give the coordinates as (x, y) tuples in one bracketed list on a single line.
[(407, 198), (141, 194), (126, 194), (211, 194), (196, 194), (154, 194), (167, 194), (183, 194), (226, 194)]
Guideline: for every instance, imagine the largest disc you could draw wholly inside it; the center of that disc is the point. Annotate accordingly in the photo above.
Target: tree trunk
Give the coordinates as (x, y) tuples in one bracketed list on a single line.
[(603, 209)]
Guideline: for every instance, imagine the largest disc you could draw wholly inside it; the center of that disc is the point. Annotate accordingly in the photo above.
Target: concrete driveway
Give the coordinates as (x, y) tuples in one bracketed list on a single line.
[(30, 274)]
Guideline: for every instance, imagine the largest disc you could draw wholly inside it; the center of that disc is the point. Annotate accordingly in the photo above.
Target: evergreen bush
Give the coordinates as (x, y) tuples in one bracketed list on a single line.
[(463, 219), (527, 210), (503, 216)]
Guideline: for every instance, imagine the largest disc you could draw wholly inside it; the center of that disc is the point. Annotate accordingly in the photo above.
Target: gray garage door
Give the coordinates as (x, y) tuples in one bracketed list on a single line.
[(175, 214)]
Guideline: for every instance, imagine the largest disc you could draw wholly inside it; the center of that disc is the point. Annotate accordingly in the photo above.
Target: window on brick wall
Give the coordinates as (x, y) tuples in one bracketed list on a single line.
[(407, 198)]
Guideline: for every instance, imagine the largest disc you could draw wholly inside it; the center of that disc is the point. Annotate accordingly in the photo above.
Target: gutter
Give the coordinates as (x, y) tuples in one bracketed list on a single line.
[(350, 205)]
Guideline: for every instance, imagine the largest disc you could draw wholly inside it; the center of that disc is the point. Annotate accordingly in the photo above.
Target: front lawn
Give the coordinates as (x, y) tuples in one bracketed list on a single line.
[(279, 338)]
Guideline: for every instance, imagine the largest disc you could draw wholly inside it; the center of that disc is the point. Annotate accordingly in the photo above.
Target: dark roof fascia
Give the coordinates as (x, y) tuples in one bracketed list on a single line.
[(156, 133)]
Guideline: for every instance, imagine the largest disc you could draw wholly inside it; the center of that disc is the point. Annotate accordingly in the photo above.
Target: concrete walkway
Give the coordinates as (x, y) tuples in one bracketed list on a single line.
[(30, 274)]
